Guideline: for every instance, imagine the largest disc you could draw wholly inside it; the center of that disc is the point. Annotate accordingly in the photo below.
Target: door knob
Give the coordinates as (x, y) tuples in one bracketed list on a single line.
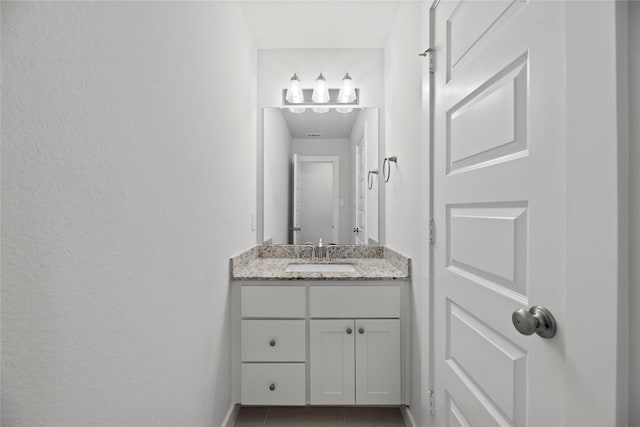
[(349, 331), (272, 387), (361, 330), (272, 343), (537, 319)]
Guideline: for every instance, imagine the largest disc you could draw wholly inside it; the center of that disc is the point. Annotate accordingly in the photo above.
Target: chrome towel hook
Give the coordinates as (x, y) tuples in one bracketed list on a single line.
[(386, 167), (370, 178)]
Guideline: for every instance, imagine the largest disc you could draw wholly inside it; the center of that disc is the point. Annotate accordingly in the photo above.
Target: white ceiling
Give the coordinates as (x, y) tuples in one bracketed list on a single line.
[(329, 125), (326, 24)]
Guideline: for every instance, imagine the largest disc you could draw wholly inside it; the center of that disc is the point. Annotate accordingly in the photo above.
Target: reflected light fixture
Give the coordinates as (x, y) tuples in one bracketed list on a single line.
[(295, 94)]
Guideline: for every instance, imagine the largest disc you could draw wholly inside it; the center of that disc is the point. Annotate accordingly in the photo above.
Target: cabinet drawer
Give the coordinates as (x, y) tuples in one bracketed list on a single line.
[(354, 301), (286, 379), (272, 301), (273, 341)]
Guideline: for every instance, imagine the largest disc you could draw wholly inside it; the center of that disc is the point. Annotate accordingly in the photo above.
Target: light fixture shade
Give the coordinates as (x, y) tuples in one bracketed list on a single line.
[(297, 110), (321, 91), (347, 91), (294, 92), (344, 110)]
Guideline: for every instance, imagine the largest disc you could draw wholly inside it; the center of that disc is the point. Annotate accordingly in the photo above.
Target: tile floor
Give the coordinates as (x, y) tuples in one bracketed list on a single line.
[(308, 416)]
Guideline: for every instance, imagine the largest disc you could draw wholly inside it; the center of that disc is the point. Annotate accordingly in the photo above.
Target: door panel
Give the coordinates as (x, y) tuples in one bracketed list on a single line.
[(499, 210), (378, 361), (331, 362)]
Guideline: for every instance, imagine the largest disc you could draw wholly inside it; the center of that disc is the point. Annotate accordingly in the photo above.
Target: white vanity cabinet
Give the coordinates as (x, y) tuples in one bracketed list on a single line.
[(355, 352), (325, 342)]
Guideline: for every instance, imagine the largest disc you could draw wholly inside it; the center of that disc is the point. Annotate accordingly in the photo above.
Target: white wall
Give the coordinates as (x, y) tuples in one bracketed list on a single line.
[(126, 185), (370, 118), (407, 190), (277, 171), (333, 147), (634, 213)]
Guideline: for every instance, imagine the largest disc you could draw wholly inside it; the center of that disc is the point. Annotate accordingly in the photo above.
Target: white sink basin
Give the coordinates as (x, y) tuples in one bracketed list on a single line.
[(319, 268)]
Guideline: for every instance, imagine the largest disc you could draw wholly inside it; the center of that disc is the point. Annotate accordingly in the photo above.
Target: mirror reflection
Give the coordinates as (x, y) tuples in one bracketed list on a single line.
[(320, 178)]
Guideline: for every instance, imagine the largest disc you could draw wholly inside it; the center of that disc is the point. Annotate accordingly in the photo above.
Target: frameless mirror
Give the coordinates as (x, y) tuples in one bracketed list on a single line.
[(320, 177)]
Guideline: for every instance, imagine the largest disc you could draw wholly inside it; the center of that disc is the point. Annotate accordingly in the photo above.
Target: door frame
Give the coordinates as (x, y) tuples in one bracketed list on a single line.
[(362, 137), (597, 223), (335, 161)]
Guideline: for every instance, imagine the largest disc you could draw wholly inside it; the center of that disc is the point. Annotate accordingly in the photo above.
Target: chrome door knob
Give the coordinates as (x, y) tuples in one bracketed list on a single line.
[(537, 319)]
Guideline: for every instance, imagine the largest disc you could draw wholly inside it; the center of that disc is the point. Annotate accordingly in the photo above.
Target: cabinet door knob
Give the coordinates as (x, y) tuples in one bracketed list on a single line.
[(349, 331), (361, 330), (272, 387), (272, 343)]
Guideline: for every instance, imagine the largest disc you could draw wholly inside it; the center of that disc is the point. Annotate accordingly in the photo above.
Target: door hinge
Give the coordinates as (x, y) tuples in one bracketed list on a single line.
[(431, 231), (428, 53), (430, 402)]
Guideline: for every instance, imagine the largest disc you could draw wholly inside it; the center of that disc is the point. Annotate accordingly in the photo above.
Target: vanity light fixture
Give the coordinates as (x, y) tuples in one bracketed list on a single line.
[(321, 99), (294, 94)]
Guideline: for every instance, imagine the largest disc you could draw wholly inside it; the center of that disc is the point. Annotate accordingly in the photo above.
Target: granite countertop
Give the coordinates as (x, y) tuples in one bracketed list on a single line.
[(370, 263)]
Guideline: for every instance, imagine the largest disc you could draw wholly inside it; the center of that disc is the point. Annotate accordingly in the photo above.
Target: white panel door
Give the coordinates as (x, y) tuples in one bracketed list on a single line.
[(331, 362), (360, 230), (499, 209), (296, 215), (378, 375)]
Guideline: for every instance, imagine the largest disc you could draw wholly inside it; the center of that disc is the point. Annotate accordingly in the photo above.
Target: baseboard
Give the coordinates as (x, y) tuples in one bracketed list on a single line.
[(408, 418), (231, 416)]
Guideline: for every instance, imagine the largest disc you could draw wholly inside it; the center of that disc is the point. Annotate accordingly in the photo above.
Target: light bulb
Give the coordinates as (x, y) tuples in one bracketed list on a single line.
[(347, 92), (321, 91), (321, 110), (294, 92), (297, 110)]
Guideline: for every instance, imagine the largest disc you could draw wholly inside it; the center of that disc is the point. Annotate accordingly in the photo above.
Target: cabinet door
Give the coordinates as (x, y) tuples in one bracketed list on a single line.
[(331, 362), (378, 361)]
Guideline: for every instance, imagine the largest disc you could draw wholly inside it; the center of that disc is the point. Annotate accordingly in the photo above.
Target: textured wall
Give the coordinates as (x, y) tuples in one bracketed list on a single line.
[(407, 192), (128, 159)]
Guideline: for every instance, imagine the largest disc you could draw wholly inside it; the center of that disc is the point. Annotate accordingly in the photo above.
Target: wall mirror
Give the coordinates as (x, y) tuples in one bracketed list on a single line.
[(320, 177)]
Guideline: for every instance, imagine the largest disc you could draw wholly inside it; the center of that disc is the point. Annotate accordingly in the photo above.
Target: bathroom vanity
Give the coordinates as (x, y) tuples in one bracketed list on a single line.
[(313, 332)]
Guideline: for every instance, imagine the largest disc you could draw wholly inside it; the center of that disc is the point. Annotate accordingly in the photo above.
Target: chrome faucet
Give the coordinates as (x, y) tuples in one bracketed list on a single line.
[(320, 249)]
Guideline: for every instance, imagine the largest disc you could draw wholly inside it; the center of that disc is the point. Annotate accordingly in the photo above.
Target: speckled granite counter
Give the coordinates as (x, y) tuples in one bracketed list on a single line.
[(370, 263)]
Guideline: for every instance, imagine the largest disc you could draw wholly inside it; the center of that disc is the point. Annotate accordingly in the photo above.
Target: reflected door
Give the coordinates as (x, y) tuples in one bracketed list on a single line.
[(315, 186), (499, 209), (297, 213), (360, 231), (316, 201)]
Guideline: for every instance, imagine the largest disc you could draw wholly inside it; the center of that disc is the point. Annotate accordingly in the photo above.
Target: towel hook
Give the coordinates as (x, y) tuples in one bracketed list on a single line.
[(370, 178), (386, 170)]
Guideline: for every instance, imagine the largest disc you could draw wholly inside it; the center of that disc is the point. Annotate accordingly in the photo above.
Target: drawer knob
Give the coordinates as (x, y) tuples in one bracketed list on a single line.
[(349, 331), (272, 387), (361, 330), (272, 343)]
